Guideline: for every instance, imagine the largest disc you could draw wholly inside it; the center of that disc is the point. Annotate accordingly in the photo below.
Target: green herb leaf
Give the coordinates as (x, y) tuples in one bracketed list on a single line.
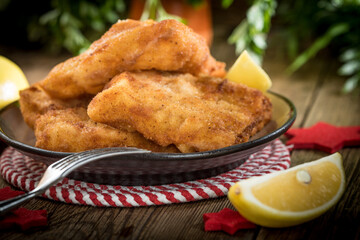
[(349, 54), (226, 3), (153, 9), (260, 41), (319, 44), (349, 68), (351, 84), (239, 32), (251, 33), (195, 3), (50, 16), (256, 17)]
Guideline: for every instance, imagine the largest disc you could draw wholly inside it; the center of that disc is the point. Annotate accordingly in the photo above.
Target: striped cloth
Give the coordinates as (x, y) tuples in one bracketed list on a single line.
[(24, 172)]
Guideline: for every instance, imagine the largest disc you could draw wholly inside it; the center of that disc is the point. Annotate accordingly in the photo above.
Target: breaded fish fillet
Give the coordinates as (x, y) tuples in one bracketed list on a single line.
[(194, 114), (34, 101), (71, 130), (132, 45)]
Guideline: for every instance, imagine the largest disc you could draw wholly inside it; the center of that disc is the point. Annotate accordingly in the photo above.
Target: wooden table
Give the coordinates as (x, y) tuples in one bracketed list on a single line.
[(315, 92)]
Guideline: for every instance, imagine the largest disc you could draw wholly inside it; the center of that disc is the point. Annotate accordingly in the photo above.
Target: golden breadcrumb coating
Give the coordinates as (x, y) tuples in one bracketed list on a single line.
[(71, 130), (132, 45), (194, 114)]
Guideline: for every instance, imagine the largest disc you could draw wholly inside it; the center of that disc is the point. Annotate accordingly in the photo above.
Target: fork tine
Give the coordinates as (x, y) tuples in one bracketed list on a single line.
[(62, 161), (94, 156), (70, 158), (74, 161)]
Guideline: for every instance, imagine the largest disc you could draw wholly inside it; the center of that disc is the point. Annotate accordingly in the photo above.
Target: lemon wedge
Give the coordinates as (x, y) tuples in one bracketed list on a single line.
[(12, 79), (293, 196), (247, 72)]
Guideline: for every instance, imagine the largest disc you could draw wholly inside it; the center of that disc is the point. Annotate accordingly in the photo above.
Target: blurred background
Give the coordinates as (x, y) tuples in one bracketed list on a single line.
[(297, 30)]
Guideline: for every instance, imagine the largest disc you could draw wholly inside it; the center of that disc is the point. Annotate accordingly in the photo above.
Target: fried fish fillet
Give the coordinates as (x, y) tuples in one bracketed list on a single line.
[(71, 130), (132, 45), (193, 113), (34, 101)]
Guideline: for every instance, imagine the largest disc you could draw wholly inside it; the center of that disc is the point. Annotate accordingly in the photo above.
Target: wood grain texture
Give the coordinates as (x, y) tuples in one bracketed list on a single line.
[(327, 104), (315, 92)]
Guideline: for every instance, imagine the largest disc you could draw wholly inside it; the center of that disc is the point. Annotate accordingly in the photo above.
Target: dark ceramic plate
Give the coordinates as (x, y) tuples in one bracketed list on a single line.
[(152, 168)]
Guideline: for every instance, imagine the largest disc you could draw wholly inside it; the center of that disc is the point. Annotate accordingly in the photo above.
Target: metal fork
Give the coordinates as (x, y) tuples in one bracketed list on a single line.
[(61, 168)]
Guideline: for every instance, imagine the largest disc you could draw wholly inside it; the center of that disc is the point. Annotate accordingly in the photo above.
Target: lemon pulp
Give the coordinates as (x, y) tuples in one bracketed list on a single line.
[(300, 196), (12, 79), (247, 72), (292, 196)]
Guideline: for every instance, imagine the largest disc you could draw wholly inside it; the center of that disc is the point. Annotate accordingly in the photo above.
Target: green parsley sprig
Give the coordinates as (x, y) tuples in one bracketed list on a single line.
[(251, 33)]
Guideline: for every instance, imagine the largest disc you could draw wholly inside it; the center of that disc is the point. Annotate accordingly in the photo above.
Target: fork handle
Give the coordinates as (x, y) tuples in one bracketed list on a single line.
[(12, 203)]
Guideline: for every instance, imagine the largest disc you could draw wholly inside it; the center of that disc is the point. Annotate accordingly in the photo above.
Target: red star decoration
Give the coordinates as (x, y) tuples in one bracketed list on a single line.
[(21, 217), (227, 220), (24, 218), (7, 192), (324, 137)]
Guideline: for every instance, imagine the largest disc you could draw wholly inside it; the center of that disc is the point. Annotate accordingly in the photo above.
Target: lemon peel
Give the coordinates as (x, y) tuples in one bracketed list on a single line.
[(12, 79), (292, 196)]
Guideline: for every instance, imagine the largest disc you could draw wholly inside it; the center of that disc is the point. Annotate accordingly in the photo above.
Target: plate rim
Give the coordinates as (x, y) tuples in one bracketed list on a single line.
[(169, 156)]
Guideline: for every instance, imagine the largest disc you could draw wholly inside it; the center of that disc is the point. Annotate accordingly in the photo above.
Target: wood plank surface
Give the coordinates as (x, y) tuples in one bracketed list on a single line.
[(315, 93), (329, 105)]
